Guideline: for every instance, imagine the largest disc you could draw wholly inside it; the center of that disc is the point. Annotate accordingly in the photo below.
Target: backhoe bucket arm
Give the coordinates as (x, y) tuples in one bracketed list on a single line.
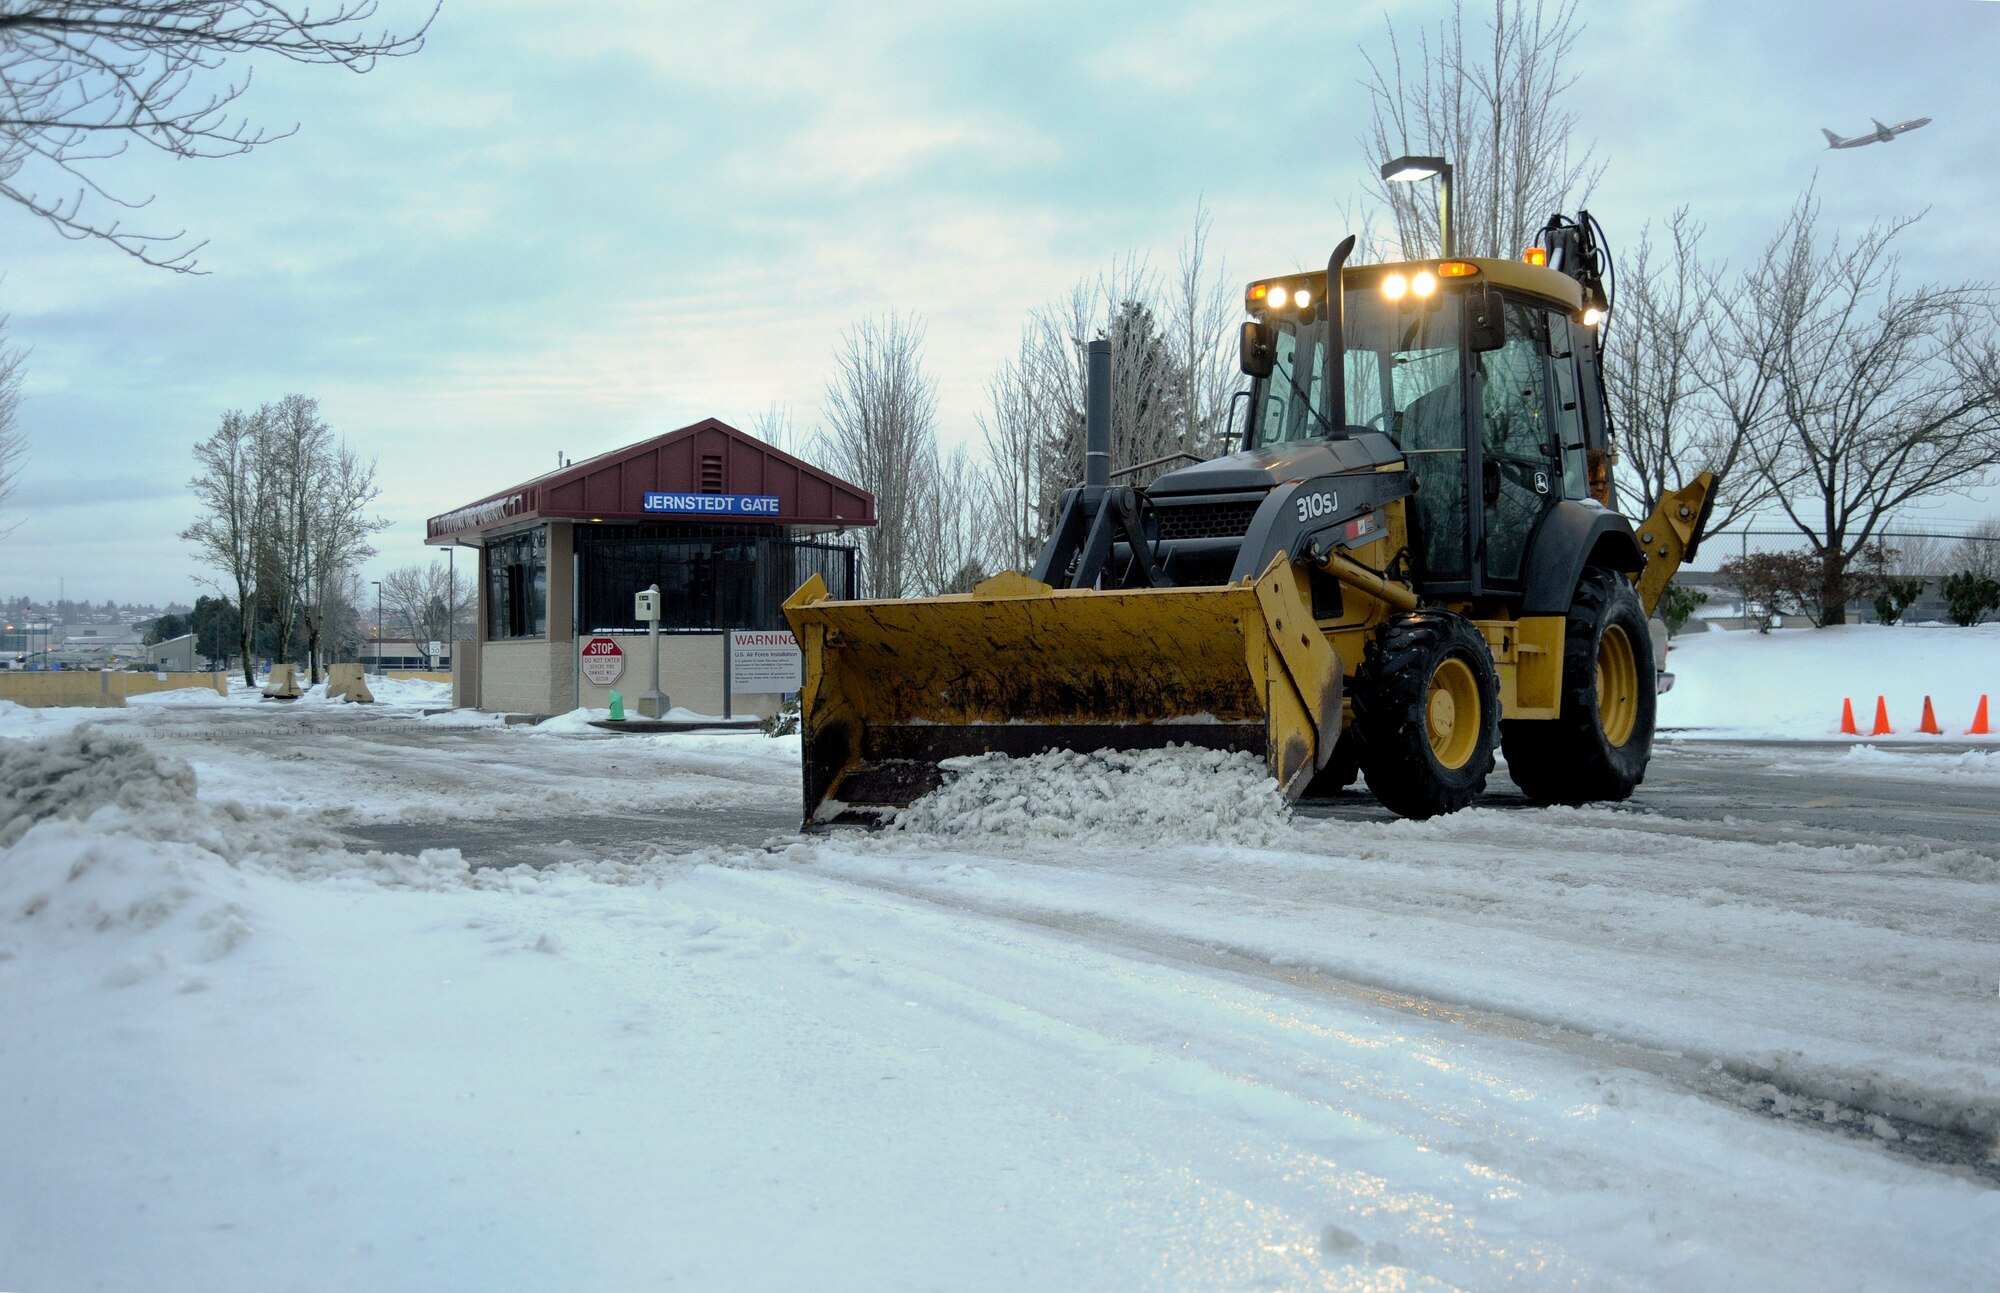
[(1671, 535)]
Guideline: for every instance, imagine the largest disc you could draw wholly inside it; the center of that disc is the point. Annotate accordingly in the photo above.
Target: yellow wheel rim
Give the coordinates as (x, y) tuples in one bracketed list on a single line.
[(1451, 714), (1617, 686)]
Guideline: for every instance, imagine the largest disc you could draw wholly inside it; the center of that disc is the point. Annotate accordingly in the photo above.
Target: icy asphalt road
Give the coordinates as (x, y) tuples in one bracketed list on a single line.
[(485, 790), (1754, 792), (1672, 1044)]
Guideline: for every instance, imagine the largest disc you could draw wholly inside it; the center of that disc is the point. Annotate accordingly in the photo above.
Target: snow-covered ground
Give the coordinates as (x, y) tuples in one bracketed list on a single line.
[(1080, 1024), (1790, 684)]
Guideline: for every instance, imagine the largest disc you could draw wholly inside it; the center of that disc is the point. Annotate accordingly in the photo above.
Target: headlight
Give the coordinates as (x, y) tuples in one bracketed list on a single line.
[(1592, 317), (1277, 298), (1395, 286), (1424, 283), (1303, 298)]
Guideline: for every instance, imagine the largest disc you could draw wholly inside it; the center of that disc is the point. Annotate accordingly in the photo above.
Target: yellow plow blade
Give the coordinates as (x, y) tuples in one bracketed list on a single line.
[(894, 688)]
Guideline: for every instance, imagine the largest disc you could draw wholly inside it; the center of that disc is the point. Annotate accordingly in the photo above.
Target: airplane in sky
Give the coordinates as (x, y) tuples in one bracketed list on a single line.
[(1880, 135)]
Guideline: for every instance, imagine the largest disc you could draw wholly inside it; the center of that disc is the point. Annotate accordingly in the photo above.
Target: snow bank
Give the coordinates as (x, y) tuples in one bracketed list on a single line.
[(23, 721), (99, 833), (1789, 684), (73, 774), (1966, 767), (1180, 794)]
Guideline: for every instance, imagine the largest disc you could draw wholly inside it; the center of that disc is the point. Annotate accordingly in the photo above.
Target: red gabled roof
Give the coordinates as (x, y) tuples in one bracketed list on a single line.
[(710, 457)]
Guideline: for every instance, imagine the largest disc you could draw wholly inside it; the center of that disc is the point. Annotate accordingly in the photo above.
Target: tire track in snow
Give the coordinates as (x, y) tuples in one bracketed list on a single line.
[(1963, 1137)]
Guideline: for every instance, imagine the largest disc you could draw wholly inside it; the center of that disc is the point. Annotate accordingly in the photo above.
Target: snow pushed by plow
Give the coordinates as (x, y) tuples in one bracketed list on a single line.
[(1181, 794)]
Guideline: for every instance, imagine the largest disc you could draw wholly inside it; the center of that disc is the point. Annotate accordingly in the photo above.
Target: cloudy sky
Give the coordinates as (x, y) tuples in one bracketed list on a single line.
[(547, 235)]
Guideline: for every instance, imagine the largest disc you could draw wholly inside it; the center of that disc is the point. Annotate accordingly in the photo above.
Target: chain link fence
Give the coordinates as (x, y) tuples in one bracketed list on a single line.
[(1929, 555)]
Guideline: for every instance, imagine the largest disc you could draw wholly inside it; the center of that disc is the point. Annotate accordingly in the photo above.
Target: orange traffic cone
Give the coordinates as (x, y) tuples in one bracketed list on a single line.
[(1882, 727), (1930, 723), (1979, 727), (1847, 717)]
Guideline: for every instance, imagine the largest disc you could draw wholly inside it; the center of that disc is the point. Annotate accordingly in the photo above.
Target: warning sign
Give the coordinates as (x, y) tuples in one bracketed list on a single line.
[(764, 660), (603, 661)]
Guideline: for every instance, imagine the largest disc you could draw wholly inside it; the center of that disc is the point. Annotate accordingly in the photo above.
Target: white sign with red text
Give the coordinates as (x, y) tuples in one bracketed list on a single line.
[(764, 660), (603, 661)]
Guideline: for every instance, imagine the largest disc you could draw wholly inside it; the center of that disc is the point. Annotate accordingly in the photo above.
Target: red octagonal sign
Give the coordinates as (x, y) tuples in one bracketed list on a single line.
[(603, 661)]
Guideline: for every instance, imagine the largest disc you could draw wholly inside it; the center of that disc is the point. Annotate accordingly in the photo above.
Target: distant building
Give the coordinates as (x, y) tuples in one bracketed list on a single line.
[(403, 653), (174, 655)]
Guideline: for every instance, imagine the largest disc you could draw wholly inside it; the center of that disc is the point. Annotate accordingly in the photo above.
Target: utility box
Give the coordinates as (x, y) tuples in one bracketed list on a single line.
[(646, 605)]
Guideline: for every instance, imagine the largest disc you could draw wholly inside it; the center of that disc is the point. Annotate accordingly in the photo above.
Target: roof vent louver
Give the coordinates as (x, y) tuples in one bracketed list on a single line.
[(711, 473)]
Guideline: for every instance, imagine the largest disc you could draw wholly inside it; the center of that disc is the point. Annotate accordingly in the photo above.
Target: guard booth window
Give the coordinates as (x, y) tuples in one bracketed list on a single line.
[(711, 577), (517, 585)]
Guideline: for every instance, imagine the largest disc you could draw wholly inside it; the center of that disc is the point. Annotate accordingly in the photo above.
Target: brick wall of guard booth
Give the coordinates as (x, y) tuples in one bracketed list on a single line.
[(528, 676)]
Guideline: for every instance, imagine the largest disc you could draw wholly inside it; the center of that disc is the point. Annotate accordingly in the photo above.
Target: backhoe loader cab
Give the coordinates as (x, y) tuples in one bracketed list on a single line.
[(1482, 377), (1411, 561)]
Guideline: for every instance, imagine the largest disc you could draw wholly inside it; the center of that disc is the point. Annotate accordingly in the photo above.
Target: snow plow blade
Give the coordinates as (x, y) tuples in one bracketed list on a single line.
[(894, 688)]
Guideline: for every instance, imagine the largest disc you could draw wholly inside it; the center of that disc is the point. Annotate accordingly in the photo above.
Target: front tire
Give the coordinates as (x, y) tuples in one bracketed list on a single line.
[(1598, 746), (1427, 709)]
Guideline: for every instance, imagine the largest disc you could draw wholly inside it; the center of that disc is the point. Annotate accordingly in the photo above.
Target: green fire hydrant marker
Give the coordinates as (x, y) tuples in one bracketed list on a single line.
[(617, 707)]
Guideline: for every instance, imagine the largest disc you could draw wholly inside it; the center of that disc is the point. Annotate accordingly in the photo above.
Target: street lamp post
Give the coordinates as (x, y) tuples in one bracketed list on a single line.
[(378, 626), (1408, 170)]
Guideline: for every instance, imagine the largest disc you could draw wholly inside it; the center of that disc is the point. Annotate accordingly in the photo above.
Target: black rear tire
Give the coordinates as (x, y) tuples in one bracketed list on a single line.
[(1427, 709), (1598, 746)]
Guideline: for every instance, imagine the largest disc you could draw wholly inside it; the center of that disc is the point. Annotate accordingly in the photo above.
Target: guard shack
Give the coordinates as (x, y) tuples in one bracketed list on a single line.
[(726, 525)]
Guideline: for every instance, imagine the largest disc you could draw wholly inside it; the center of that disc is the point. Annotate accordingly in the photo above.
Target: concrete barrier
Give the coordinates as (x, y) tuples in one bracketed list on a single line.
[(283, 683), (344, 682), (97, 688), (421, 675)]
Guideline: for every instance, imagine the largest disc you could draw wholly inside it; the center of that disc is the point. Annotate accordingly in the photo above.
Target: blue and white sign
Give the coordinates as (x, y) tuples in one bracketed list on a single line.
[(714, 504)]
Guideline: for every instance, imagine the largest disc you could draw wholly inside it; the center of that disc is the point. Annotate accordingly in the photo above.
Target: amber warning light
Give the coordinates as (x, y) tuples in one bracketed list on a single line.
[(1536, 256)]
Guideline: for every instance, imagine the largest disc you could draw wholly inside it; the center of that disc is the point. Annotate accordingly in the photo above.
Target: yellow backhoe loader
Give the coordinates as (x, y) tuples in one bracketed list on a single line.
[(1412, 560)]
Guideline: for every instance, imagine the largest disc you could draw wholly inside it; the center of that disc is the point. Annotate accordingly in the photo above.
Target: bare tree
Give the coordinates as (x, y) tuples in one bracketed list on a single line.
[(230, 485), (1886, 395), (13, 440), (1978, 552), (336, 540), (1202, 320), (422, 597), (952, 546), (81, 81), (1173, 374), (1685, 383), (1491, 105), (283, 519), (775, 426), (297, 444), (881, 433), (1023, 458)]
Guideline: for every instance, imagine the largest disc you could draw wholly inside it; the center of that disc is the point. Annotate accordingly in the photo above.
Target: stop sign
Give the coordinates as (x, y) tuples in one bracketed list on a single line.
[(603, 661)]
